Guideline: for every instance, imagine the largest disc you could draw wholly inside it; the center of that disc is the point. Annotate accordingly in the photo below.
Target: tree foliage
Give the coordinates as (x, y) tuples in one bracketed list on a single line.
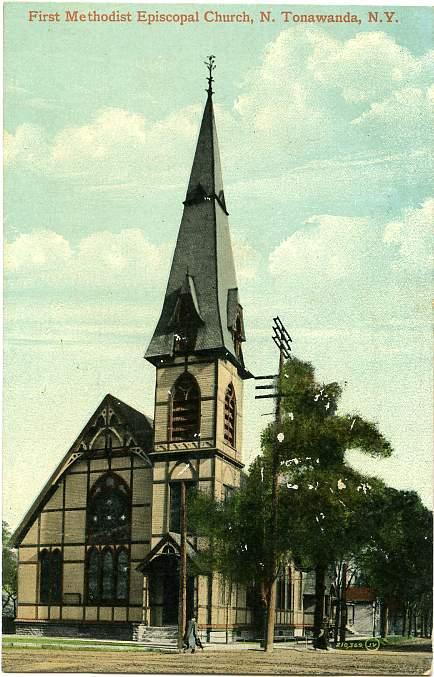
[(326, 509), (330, 507), (397, 558), (9, 570), (236, 528)]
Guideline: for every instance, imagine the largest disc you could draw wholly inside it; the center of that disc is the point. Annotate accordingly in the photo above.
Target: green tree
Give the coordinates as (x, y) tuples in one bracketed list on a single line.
[(236, 531), (9, 571), (397, 561), (311, 442), (327, 503)]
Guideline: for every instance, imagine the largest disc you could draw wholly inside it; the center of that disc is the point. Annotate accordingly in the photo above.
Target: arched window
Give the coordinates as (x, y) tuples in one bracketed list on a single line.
[(50, 577), (107, 592), (185, 410), (230, 414), (93, 575), (56, 577), (44, 577), (122, 566), (108, 511)]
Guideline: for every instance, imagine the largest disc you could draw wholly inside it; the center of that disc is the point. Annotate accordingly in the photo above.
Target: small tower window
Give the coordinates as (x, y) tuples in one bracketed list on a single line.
[(230, 414), (238, 337), (186, 324), (185, 410)]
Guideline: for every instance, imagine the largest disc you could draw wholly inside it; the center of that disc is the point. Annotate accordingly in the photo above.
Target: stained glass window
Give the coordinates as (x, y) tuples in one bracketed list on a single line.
[(122, 575), (93, 575), (108, 514), (107, 575)]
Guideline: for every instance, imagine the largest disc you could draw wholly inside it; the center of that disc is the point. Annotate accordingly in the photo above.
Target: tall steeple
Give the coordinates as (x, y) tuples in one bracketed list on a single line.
[(201, 310)]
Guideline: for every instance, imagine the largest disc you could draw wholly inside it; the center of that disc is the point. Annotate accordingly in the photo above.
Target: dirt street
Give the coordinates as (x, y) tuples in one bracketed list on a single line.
[(281, 662)]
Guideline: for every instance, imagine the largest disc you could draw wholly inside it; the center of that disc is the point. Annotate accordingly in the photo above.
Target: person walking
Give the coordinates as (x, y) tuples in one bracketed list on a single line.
[(191, 638)]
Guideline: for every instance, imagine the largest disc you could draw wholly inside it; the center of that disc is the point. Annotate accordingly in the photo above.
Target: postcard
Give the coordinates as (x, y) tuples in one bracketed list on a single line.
[(217, 272)]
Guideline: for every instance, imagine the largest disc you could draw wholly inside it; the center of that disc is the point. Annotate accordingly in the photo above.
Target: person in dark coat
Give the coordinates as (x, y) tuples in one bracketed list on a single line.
[(322, 641), (191, 638)]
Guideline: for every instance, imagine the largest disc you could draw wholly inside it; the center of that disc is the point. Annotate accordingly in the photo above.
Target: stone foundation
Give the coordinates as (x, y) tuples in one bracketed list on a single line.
[(109, 630)]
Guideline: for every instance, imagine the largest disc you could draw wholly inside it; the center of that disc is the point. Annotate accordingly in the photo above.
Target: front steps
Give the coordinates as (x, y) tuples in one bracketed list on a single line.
[(166, 635)]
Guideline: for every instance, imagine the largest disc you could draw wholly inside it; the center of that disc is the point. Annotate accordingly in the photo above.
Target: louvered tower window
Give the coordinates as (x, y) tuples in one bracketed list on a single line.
[(230, 413), (185, 410)]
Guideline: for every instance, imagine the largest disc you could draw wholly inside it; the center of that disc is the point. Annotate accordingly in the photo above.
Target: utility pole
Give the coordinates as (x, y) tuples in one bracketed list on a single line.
[(282, 339), (182, 597)]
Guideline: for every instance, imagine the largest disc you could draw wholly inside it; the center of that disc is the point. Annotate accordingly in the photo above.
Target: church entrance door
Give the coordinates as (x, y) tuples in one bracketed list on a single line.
[(164, 591)]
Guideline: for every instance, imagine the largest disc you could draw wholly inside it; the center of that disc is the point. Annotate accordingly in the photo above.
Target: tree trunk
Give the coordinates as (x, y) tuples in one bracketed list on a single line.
[(410, 618), (270, 616), (404, 620), (318, 617), (263, 614), (343, 623), (337, 619), (383, 618)]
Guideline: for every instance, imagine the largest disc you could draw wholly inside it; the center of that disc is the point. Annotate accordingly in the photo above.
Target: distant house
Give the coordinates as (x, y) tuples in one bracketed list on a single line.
[(362, 611)]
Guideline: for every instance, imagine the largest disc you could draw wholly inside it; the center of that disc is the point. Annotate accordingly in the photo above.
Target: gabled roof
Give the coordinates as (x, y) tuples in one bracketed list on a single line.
[(170, 540), (138, 430), (203, 253)]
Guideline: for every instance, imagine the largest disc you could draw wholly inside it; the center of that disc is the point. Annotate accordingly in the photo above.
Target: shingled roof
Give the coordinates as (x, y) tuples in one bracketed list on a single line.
[(203, 255)]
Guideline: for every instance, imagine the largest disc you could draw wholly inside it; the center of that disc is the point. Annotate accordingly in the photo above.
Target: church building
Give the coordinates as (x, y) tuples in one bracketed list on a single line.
[(99, 548)]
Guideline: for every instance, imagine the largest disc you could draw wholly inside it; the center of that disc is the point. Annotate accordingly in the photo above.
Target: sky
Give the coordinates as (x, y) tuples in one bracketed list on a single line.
[(324, 134)]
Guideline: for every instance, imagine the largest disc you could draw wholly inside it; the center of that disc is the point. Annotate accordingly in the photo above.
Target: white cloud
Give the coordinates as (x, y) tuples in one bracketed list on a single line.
[(27, 147), (335, 248), (330, 247), (402, 119), (40, 249), (101, 260), (115, 147), (413, 236), (311, 96), (365, 67)]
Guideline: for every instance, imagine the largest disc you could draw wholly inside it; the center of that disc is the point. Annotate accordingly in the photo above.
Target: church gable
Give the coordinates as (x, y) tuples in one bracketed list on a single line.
[(115, 429)]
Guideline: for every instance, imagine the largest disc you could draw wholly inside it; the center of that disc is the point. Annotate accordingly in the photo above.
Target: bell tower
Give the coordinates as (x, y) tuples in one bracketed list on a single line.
[(197, 344), (197, 351)]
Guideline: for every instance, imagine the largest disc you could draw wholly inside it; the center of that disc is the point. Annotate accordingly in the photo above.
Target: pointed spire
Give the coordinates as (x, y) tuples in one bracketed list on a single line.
[(204, 301), (206, 181)]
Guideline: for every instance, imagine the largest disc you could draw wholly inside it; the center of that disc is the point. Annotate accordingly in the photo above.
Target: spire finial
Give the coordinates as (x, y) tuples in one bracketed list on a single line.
[(210, 64)]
